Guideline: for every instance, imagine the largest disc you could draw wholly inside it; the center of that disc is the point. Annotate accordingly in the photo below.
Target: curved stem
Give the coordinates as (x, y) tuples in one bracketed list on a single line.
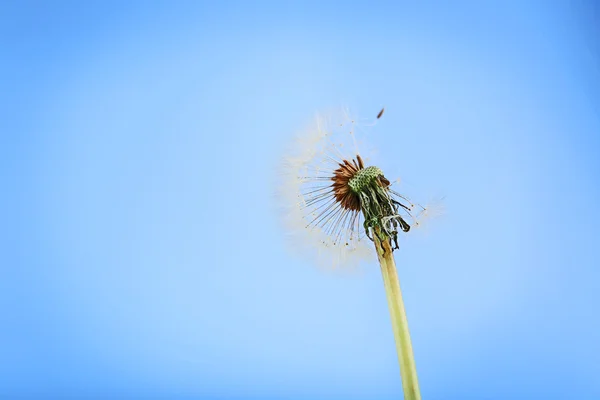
[(408, 370)]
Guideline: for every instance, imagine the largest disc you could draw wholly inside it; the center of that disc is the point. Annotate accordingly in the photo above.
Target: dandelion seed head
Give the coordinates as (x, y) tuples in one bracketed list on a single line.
[(333, 201)]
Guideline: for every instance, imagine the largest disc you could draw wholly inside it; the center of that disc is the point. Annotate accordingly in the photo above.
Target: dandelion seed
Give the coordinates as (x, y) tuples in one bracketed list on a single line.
[(380, 113)]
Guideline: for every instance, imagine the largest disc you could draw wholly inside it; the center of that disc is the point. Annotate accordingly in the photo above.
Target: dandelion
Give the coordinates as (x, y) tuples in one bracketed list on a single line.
[(342, 206)]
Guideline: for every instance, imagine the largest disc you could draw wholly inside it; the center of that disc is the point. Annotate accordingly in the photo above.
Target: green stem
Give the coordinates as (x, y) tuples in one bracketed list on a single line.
[(408, 369)]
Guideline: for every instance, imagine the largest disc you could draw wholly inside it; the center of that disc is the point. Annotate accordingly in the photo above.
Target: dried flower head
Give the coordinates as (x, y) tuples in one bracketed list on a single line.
[(337, 201)]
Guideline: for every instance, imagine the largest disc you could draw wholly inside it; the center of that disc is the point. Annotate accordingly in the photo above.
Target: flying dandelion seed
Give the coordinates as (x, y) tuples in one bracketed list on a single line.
[(380, 113), (339, 205)]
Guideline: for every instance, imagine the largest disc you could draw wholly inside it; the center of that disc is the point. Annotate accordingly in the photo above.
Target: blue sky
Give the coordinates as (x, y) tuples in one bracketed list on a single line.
[(142, 255)]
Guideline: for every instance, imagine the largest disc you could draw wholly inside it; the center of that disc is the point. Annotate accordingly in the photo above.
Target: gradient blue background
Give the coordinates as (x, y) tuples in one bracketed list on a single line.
[(141, 255)]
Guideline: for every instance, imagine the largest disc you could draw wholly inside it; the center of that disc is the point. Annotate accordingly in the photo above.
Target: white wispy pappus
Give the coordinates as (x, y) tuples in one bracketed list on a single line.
[(334, 199)]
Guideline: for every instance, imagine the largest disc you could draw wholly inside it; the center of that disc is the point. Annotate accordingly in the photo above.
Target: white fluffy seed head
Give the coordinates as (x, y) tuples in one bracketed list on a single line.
[(316, 225)]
